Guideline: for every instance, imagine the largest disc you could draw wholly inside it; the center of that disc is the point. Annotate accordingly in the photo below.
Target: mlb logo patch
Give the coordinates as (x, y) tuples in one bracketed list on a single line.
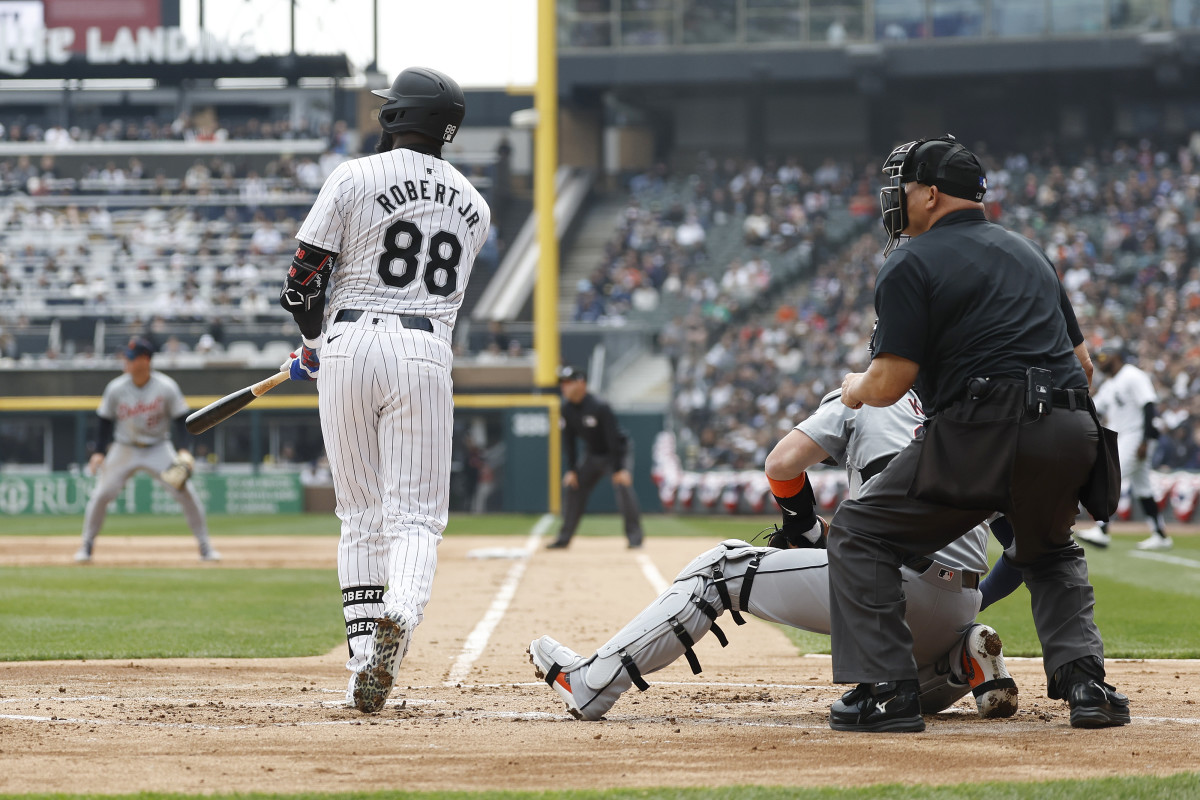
[(946, 574)]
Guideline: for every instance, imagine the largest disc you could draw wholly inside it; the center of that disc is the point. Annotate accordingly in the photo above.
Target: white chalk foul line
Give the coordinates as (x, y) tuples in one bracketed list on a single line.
[(478, 638), (1166, 559), (652, 574)]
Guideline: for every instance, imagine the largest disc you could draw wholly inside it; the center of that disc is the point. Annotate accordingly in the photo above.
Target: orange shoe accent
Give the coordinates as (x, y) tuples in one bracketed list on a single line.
[(788, 488), (561, 680), (971, 669)]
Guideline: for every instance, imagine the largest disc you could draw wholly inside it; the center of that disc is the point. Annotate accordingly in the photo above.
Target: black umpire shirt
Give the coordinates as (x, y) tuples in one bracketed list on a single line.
[(592, 420), (969, 299)]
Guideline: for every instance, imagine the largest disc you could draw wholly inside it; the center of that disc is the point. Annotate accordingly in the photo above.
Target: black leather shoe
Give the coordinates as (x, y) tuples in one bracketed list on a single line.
[(1095, 704), (557, 544), (893, 707)]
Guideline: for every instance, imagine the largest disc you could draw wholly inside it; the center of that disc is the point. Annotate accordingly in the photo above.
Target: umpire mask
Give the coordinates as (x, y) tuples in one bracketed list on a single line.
[(940, 162)]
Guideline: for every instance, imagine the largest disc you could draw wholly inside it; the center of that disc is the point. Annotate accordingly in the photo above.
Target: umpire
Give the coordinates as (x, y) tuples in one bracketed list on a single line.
[(976, 318), (587, 417)]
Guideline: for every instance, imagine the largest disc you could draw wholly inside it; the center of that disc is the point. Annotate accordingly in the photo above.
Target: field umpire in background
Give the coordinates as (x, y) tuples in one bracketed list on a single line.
[(976, 318), (606, 449)]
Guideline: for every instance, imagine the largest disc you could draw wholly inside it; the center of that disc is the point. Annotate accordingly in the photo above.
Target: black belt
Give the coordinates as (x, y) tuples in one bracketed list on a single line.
[(416, 323), (970, 580)]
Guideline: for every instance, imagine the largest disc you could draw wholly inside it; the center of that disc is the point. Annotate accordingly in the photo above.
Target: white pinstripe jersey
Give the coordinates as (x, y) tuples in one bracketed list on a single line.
[(406, 227)]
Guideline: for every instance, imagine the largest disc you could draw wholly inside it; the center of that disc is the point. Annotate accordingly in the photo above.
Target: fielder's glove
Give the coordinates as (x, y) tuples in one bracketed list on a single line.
[(303, 364), (178, 473), (786, 538)]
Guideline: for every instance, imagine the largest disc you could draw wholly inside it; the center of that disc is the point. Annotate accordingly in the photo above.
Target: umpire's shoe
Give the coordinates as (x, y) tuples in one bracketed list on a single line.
[(893, 707), (373, 683), (1094, 703), (983, 668)]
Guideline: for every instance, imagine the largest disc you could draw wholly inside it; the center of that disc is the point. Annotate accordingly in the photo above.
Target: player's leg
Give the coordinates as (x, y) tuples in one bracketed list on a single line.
[(158, 459), (786, 586), (348, 398), (1004, 578), (588, 473), (1142, 491), (631, 513), (955, 654), (119, 464)]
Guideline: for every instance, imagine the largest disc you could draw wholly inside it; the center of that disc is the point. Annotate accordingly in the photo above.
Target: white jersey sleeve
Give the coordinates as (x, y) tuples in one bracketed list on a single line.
[(407, 227), (324, 227)]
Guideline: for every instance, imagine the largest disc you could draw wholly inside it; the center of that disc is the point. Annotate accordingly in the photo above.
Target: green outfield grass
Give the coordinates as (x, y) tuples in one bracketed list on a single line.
[(106, 612), (1181, 786)]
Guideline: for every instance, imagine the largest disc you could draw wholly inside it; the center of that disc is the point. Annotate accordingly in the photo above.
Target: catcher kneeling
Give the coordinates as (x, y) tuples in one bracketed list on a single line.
[(788, 582)]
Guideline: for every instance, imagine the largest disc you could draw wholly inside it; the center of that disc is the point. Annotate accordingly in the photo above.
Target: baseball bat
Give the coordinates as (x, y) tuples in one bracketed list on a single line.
[(221, 410)]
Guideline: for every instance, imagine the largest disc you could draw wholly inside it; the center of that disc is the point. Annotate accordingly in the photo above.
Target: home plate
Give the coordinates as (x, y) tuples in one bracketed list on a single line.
[(498, 552)]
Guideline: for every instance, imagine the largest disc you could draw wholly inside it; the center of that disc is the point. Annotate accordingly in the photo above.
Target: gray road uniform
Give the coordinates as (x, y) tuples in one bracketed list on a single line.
[(141, 419), (792, 586)]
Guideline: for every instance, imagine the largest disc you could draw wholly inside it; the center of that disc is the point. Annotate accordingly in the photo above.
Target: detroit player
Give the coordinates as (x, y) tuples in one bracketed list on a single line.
[(1125, 401), (791, 586), (383, 259), (136, 412)]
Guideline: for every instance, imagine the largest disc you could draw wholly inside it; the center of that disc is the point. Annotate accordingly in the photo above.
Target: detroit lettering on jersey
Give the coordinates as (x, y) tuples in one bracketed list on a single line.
[(419, 190), (151, 412)]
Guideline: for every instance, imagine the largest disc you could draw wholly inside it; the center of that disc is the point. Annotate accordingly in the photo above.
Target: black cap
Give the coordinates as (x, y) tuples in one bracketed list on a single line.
[(949, 166), (139, 347), (1110, 351), (571, 374)]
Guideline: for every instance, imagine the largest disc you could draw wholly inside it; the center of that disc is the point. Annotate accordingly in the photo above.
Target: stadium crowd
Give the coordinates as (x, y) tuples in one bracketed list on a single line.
[(1121, 224)]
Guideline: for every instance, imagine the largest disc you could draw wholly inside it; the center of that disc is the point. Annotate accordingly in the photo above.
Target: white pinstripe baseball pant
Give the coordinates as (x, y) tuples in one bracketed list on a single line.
[(386, 415)]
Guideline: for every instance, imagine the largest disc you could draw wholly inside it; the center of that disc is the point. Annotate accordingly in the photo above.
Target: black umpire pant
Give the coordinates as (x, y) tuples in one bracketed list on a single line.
[(589, 472), (870, 536)]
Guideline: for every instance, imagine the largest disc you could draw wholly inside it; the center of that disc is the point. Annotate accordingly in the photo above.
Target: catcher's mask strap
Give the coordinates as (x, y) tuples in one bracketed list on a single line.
[(723, 593), (635, 674), (686, 640), (707, 610)]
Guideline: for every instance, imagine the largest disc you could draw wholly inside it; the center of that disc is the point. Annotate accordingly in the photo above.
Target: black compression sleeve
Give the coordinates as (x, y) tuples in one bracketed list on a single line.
[(304, 290), (182, 439), (1149, 432), (104, 436)]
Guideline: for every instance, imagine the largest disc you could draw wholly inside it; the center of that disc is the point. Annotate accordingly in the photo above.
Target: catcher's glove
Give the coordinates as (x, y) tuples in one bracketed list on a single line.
[(178, 473), (787, 537)]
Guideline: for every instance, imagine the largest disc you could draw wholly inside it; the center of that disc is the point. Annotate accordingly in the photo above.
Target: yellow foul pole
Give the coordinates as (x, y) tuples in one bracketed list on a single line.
[(545, 292)]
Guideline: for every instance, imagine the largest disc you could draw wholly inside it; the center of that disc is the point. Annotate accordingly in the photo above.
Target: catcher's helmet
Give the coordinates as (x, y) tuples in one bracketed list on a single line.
[(940, 162), (423, 100)]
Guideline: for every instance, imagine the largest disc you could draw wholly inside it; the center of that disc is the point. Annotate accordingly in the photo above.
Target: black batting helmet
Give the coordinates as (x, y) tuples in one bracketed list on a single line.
[(423, 100)]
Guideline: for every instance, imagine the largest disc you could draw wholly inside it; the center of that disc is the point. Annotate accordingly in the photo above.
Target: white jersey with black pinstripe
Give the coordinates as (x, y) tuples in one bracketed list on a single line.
[(406, 228)]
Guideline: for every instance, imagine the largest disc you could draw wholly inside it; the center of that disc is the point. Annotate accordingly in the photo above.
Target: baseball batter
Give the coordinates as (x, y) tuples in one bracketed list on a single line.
[(136, 413), (383, 261), (1126, 401), (791, 586)]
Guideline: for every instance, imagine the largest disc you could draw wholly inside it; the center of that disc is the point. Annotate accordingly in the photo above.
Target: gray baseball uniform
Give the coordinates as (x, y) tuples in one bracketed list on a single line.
[(141, 417), (792, 586), (406, 227)]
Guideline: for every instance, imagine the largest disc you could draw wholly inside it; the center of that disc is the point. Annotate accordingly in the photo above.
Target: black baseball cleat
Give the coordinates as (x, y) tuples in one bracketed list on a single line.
[(892, 707), (1095, 704), (557, 544)]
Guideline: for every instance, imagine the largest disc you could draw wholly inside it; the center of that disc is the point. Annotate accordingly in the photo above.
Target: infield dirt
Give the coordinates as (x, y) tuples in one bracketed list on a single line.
[(757, 714)]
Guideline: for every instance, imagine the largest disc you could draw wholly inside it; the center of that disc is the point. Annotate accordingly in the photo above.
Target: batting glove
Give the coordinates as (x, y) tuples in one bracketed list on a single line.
[(304, 364)]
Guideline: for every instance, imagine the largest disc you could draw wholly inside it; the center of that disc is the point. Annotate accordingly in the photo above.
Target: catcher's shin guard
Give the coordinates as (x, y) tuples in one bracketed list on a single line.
[(669, 627)]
